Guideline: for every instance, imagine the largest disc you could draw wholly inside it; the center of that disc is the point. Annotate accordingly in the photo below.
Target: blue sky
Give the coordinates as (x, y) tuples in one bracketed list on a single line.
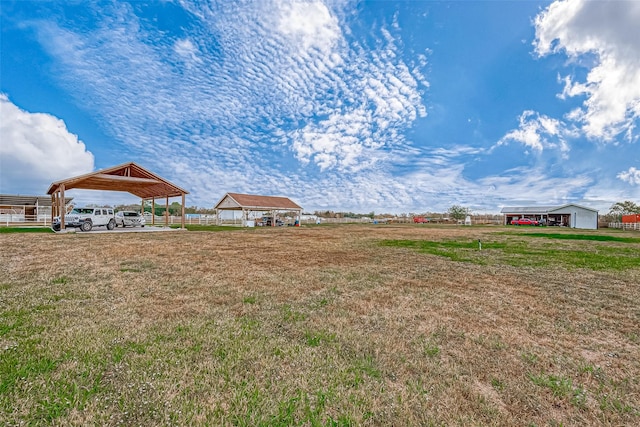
[(343, 105)]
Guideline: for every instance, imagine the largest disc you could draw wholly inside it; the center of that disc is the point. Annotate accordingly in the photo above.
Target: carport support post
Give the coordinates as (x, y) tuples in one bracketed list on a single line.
[(53, 206), (63, 209), (182, 225), (166, 211), (153, 211)]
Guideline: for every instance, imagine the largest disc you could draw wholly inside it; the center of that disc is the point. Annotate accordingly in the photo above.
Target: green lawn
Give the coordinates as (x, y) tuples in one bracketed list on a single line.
[(604, 252), (7, 230)]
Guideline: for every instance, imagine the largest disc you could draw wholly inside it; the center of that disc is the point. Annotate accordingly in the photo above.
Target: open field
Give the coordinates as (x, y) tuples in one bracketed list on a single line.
[(328, 325)]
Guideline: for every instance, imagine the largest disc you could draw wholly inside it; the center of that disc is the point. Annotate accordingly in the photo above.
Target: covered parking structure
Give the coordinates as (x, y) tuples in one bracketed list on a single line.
[(250, 205), (128, 177), (570, 215)]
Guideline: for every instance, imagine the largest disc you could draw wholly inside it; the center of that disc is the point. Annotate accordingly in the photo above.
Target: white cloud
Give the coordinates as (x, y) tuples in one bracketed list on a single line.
[(36, 150), (608, 30), (187, 50), (530, 186), (266, 80), (632, 176), (310, 25), (538, 132), (375, 97)]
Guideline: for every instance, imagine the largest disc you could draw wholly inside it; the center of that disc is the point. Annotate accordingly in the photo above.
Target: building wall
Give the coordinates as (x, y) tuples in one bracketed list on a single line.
[(580, 218)]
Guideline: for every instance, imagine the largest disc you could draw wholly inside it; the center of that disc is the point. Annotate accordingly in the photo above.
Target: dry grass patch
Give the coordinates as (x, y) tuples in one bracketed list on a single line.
[(318, 326)]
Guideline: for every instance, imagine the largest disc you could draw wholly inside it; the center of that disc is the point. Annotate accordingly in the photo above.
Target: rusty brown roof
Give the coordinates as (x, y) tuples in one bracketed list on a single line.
[(129, 177), (260, 202)]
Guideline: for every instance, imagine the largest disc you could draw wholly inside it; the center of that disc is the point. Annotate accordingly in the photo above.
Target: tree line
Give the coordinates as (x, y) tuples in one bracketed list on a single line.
[(619, 209)]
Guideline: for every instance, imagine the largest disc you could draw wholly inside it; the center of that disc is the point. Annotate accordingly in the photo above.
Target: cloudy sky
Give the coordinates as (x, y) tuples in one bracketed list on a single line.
[(344, 105)]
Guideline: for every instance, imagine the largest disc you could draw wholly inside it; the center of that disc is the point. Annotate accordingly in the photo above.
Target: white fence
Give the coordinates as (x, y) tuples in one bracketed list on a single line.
[(22, 220), (44, 220), (625, 225)]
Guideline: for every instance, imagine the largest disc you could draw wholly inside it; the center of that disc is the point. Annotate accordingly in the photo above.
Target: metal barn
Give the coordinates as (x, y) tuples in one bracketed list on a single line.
[(570, 215)]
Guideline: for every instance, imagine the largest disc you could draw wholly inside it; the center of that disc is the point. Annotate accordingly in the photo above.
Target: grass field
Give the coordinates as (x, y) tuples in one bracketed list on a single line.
[(323, 326)]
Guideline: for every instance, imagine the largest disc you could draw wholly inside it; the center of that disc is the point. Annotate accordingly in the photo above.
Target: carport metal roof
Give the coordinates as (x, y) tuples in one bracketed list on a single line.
[(527, 209), (539, 209), (128, 177)]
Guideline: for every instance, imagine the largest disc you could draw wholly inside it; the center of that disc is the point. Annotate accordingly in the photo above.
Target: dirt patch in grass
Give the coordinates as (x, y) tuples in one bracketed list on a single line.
[(314, 326)]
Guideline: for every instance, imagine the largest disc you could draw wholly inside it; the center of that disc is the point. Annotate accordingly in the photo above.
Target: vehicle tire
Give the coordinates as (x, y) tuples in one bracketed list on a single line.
[(123, 226), (111, 224), (143, 226), (86, 226), (56, 227)]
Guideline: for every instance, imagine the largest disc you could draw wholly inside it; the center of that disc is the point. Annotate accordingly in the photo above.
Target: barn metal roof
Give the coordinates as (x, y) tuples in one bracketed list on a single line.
[(128, 177), (24, 200), (527, 209), (250, 201), (539, 209)]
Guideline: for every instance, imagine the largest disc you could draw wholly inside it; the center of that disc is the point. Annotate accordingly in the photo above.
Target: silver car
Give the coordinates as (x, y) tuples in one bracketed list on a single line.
[(129, 219)]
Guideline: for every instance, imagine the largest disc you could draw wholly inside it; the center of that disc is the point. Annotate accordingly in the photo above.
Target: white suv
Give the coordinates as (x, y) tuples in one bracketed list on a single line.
[(87, 218)]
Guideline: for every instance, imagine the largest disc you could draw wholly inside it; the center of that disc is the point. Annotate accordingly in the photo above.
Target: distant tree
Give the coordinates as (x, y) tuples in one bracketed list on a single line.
[(624, 208), (325, 214), (129, 207), (205, 210), (458, 212), (175, 208)]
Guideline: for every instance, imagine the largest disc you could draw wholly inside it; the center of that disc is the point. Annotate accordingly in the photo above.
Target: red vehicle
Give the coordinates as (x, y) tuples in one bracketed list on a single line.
[(420, 220), (525, 221)]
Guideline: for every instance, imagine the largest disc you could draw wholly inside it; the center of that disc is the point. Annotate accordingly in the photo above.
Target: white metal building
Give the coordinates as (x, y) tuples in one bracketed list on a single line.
[(571, 215)]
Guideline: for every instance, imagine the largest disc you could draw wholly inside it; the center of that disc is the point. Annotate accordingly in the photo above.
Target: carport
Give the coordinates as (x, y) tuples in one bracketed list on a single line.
[(128, 177)]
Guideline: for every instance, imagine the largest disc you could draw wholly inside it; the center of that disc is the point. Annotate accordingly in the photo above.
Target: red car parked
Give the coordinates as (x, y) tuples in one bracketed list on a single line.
[(420, 220), (525, 221)]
